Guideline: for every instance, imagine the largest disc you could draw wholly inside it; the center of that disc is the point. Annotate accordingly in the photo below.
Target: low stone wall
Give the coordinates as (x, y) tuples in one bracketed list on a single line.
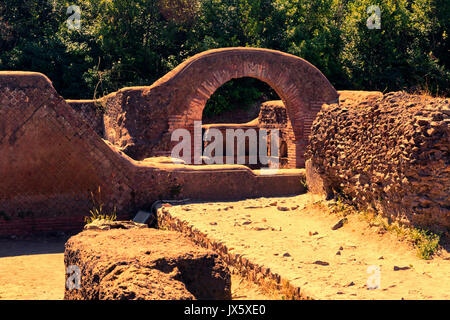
[(136, 263), (389, 153)]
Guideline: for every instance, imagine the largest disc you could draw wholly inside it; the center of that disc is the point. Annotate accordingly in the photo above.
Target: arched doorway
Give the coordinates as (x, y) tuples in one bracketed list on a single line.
[(237, 108), (302, 88)]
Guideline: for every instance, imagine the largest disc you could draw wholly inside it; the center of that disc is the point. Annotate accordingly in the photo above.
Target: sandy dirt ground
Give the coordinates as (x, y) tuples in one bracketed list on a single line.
[(300, 245), (32, 269)]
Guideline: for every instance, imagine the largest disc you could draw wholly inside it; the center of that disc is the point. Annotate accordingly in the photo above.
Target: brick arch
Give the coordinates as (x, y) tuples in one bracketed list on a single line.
[(301, 86)]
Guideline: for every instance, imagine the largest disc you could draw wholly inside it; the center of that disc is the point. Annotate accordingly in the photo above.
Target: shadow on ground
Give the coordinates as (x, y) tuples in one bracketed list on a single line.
[(32, 246)]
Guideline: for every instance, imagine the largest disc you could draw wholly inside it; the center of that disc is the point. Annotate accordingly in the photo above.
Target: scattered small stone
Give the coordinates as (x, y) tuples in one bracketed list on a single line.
[(322, 263), (213, 223), (280, 208), (341, 248), (381, 258), (313, 234), (338, 253), (340, 224), (286, 254), (351, 284), (246, 222), (273, 204), (396, 268), (259, 228), (294, 208)]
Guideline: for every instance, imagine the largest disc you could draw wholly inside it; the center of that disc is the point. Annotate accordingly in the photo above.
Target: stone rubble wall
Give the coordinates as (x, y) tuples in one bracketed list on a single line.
[(136, 263), (386, 152)]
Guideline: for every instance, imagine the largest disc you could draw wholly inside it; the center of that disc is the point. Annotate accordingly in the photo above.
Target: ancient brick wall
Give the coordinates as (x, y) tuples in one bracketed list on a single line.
[(91, 112), (52, 154), (137, 121), (236, 126), (140, 120), (273, 115), (51, 159), (386, 152)]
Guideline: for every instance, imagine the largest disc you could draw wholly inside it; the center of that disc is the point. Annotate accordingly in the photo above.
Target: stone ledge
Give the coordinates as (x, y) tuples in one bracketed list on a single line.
[(143, 263), (264, 277)]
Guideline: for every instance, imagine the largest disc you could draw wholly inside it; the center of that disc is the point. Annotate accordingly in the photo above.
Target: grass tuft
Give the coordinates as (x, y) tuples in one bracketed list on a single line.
[(97, 210), (425, 242)]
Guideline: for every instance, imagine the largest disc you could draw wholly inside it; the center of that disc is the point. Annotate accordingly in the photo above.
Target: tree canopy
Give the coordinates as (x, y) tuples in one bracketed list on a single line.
[(135, 42)]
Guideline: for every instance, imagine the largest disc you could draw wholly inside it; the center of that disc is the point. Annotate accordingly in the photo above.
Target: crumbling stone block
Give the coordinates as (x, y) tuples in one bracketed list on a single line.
[(143, 263)]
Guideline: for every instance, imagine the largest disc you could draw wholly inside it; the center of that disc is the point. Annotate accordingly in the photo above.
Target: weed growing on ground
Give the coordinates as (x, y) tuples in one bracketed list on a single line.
[(425, 242), (303, 183), (97, 210)]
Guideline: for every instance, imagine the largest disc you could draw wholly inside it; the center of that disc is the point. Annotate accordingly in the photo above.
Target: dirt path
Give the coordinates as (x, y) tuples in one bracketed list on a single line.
[(301, 246)]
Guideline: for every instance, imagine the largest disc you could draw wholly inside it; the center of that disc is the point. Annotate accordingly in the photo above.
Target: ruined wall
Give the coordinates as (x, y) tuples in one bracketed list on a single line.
[(137, 121), (52, 154), (51, 159), (140, 120), (273, 115), (235, 126), (390, 153), (91, 112)]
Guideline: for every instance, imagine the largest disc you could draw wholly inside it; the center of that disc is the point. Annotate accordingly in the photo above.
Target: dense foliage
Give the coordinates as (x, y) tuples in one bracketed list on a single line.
[(134, 42)]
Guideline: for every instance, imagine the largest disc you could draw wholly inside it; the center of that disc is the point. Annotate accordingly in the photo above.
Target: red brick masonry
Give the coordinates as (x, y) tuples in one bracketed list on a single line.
[(51, 159)]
